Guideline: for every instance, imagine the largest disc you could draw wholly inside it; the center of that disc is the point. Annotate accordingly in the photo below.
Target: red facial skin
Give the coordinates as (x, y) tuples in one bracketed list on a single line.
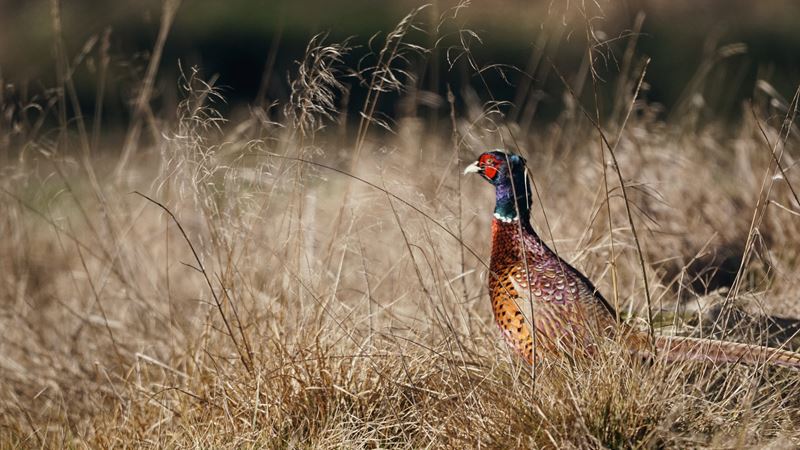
[(488, 164)]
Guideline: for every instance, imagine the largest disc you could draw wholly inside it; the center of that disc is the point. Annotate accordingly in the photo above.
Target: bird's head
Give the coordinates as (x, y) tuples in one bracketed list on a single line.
[(498, 168), (506, 172)]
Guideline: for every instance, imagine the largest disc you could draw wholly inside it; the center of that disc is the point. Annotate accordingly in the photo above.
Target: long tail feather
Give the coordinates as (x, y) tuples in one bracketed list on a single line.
[(677, 348)]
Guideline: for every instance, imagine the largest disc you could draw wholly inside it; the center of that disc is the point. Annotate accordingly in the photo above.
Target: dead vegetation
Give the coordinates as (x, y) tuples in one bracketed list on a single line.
[(291, 281)]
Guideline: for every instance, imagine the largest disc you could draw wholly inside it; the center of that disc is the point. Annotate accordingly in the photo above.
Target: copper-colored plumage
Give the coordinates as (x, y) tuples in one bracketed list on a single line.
[(529, 283), (563, 319)]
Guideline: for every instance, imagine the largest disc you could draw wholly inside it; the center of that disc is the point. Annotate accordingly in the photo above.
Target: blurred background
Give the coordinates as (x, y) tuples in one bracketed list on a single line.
[(252, 47)]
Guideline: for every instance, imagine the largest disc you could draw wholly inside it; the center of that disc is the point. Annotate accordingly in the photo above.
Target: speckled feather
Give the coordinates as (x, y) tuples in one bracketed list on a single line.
[(528, 283), (569, 315)]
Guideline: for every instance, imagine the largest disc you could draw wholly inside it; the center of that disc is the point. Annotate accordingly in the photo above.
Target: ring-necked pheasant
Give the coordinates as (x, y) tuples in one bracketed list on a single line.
[(528, 283)]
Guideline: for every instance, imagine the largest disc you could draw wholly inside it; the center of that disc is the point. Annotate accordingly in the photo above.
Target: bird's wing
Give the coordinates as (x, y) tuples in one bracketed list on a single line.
[(545, 283), (559, 295)]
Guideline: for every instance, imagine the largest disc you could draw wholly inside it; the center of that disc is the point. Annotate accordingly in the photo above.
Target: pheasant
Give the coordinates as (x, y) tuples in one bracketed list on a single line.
[(530, 284)]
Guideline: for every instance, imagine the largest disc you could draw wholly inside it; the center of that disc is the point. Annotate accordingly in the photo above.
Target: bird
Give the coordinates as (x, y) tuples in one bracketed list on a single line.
[(546, 309)]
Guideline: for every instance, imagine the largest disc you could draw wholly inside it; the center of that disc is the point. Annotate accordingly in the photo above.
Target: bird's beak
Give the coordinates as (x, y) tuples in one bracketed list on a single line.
[(472, 168)]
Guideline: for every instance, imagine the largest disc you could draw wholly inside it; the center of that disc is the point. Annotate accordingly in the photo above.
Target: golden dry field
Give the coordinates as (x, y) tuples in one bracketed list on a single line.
[(289, 275)]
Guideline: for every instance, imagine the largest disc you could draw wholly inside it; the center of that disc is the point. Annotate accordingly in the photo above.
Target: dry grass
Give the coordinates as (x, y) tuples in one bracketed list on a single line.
[(339, 302)]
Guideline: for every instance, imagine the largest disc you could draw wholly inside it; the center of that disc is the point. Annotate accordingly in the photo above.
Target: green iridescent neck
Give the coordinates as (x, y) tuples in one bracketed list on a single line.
[(506, 212), (508, 206)]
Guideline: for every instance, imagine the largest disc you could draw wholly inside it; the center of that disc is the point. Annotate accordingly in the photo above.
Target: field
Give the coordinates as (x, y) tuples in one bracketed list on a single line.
[(295, 276)]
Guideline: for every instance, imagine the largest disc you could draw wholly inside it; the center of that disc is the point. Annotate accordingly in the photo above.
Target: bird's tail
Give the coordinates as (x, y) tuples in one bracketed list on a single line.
[(677, 348)]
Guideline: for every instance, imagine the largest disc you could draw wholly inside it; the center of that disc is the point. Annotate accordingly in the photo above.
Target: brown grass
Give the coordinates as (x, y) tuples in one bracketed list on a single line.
[(341, 303)]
